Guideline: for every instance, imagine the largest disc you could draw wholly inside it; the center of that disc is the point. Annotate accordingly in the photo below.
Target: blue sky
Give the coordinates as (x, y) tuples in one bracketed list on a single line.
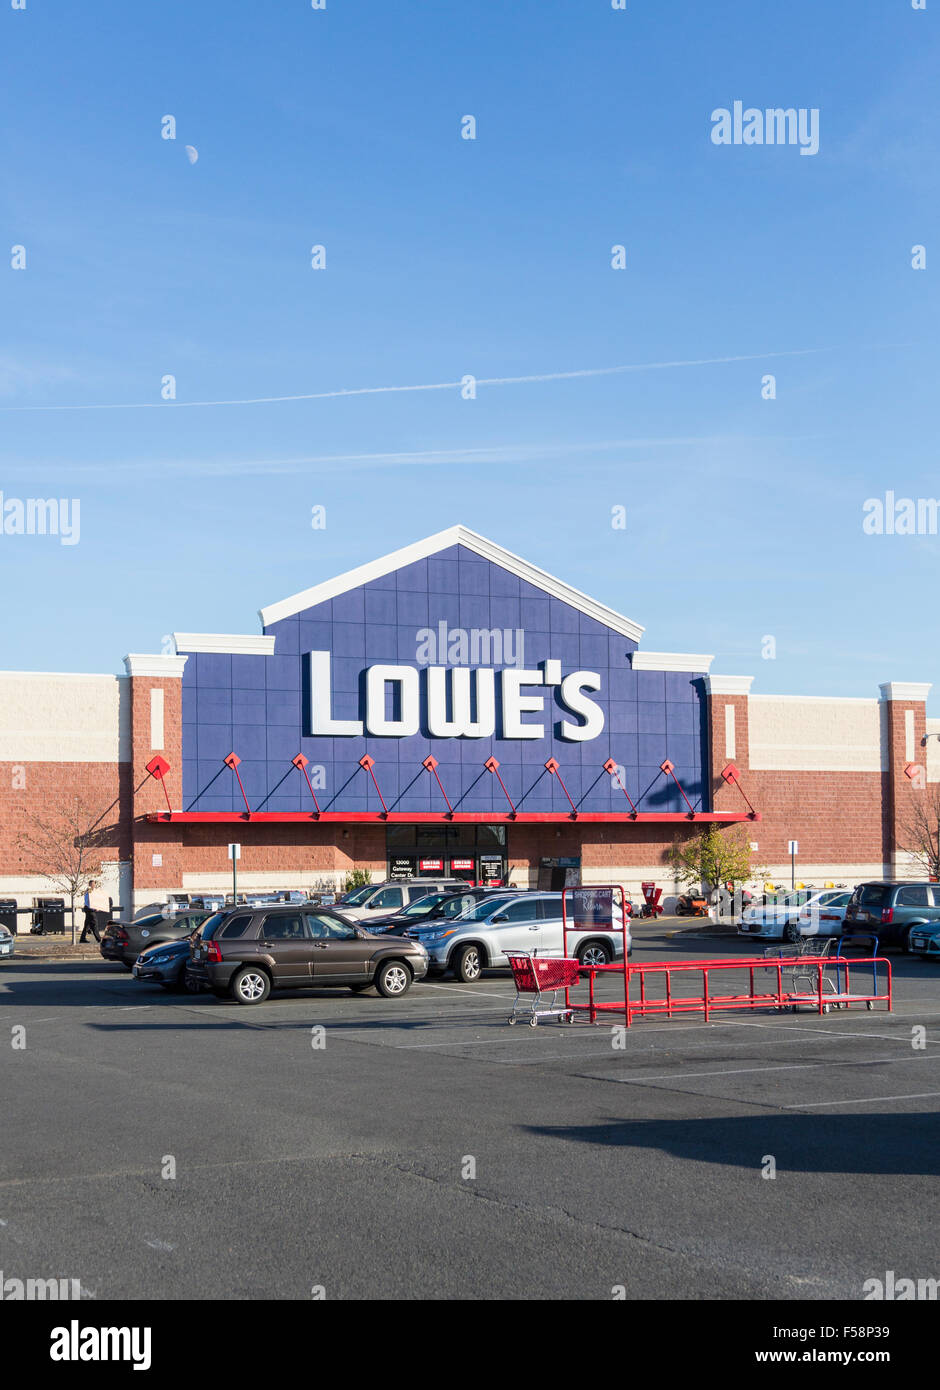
[(490, 257)]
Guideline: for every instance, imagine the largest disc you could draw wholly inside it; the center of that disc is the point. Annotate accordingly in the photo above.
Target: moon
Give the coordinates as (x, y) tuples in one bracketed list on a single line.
[(192, 153)]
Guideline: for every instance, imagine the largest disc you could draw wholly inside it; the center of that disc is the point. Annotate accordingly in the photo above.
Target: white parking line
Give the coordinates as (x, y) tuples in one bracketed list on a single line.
[(477, 993), (787, 1066), (867, 1100)]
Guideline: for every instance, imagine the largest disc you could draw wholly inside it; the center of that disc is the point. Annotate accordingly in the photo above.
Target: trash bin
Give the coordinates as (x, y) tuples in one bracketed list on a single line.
[(8, 914), (48, 916)]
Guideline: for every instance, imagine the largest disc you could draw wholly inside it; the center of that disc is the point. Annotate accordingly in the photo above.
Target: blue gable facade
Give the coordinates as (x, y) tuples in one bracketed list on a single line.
[(259, 706)]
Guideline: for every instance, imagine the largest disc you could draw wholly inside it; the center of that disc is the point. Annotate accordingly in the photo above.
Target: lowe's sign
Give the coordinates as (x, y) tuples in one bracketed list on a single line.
[(452, 649), (458, 703)]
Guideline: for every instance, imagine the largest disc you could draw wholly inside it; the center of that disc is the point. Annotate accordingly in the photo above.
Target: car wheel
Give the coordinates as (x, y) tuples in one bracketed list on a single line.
[(594, 953), (190, 986), (250, 986), (468, 966), (791, 933), (392, 979)]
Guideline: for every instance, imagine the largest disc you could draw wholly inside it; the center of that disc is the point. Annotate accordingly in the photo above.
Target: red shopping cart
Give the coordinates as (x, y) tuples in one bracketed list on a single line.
[(535, 975)]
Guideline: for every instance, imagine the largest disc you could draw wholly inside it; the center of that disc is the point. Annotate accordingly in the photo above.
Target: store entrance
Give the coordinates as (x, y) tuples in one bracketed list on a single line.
[(475, 853), (555, 874)]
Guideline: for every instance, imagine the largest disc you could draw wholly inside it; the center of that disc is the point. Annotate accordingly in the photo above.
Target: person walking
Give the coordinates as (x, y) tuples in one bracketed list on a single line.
[(90, 901)]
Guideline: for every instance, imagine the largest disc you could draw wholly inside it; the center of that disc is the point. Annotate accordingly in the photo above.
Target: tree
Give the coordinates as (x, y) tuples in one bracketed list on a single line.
[(919, 833), (356, 878), (63, 844), (713, 858)]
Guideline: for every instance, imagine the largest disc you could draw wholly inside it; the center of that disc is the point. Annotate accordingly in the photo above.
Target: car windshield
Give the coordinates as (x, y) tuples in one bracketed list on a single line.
[(459, 903), (358, 897), (422, 906), (484, 907)]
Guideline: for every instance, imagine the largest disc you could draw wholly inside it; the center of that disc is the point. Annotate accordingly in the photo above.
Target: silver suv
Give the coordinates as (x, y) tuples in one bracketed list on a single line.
[(530, 922)]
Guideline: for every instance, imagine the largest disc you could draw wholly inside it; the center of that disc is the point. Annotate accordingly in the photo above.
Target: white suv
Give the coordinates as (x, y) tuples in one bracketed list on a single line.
[(530, 922), (385, 898)]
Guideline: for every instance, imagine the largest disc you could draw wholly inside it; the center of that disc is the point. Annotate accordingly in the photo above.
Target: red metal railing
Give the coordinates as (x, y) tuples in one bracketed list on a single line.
[(682, 994)]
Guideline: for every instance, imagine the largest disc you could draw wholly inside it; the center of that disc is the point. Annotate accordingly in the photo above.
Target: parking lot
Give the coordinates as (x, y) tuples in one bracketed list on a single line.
[(421, 1148)]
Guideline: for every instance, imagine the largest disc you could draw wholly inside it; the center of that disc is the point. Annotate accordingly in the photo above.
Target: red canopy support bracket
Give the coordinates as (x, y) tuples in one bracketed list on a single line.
[(669, 769), (232, 761), (732, 776), (552, 768), (301, 762), (158, 768), (492, 765), (430, 763), (614, 770), (369, 763)]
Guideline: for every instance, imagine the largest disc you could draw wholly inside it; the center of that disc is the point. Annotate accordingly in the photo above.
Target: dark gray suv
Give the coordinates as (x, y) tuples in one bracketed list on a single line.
[(891, 911), (247, 954)]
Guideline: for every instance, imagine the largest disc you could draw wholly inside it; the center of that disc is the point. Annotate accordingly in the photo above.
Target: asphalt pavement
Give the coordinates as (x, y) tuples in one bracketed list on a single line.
[(161, 1146)]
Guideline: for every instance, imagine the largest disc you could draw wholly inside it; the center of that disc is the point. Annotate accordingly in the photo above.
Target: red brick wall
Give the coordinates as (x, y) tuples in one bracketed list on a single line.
[(100, 787), (148, 794)]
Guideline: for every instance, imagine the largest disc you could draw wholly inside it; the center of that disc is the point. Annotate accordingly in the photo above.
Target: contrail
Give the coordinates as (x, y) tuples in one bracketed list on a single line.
[(440, 385), (482, 454)]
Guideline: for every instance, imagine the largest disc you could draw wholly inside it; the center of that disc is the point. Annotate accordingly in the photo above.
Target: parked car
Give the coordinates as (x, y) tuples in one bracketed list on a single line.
[(442, 905), (805, 913), (124, 941), (893, 911), (502, 922), (165, 964), (925, 941), (385, 898), (246, 954), (6, 942)]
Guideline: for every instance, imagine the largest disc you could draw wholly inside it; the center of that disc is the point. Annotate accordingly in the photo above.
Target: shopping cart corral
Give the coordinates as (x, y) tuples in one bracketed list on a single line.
[(798, 972), (534, 976)]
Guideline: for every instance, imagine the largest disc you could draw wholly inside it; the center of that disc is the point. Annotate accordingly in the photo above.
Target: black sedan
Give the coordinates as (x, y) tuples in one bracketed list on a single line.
[(165, 964), (437, 906), (124, 941)]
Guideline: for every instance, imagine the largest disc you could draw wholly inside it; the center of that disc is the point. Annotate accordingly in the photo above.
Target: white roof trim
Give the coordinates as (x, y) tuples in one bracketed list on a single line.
[(669, 661), (143, 664), (226, 643), (420, 550), (904, 690), (728, 685)]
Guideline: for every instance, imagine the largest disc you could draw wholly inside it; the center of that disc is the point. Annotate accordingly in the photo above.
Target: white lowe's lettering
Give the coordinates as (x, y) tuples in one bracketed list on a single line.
[(459, 702), (409, 714), (461, 724)]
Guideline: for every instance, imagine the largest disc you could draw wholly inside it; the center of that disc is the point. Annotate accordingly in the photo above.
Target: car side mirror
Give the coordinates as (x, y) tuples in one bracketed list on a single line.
[(501, 917)]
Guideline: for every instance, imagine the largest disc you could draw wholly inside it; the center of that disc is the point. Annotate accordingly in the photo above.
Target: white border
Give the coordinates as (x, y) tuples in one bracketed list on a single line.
[(420, 550), (905, 690), (140, 664), (225, 643), (728, 685), (670, 661)]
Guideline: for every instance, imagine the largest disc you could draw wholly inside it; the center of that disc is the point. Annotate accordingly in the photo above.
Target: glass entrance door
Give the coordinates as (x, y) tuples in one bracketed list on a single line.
[(474, 853)]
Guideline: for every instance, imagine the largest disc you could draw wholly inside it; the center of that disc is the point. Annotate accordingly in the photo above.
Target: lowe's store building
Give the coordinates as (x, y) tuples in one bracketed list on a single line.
[(448, 710)]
